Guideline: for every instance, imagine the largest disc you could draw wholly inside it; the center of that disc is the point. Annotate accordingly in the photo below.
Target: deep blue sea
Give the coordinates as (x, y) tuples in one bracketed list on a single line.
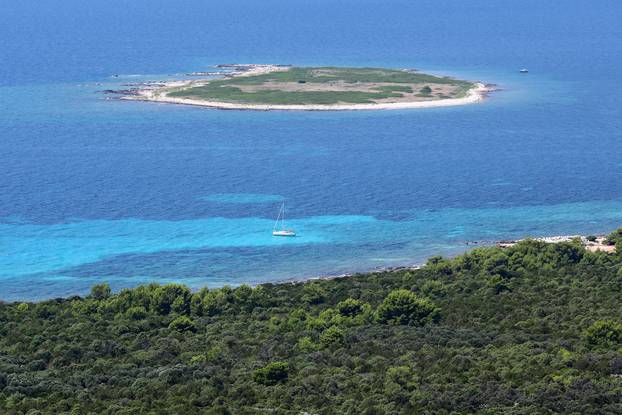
[(93, 189)]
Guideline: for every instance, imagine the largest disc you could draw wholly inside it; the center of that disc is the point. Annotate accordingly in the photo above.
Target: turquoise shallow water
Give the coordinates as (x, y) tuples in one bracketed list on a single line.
[(98, 190), (78, 254)]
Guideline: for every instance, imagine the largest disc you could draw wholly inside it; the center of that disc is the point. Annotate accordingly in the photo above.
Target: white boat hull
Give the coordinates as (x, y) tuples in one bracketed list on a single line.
[(283, 233)]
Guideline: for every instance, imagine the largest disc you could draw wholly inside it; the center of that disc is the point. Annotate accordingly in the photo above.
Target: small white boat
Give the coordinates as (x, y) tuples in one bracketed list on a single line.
[(281, 230), (524, 70), (284, 232)]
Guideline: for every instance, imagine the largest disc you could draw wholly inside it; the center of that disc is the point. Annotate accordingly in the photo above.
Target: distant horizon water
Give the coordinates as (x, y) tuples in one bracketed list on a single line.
[(97, 190)]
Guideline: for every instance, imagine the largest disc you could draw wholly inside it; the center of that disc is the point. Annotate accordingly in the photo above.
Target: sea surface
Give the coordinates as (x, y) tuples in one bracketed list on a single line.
[(94, 189)]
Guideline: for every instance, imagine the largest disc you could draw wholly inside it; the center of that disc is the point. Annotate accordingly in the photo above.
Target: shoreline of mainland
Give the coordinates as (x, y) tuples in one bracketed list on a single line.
[(159, 93), (592, 245), (597, 243)]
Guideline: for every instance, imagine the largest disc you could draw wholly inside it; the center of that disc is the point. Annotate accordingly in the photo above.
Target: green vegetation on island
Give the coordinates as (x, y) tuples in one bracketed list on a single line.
[(326, 86), (532, 329)]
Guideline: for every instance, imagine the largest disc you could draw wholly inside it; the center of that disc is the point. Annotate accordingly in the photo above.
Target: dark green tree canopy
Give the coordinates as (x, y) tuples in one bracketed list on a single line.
[(350, 307), (407, 308), (605, 333), (272, 373), (183, 323), (101, 291)]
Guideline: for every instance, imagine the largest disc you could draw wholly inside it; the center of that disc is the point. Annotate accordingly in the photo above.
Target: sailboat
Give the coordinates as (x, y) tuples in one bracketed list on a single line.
[(280, 230)]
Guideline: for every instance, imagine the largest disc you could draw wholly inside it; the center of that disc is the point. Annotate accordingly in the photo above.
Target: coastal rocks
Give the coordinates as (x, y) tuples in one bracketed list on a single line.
[(133, 91), (134, 88), (205, 74), (147, 83)]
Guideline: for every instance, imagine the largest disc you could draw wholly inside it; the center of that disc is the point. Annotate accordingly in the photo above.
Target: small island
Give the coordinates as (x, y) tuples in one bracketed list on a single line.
[(279, 87)]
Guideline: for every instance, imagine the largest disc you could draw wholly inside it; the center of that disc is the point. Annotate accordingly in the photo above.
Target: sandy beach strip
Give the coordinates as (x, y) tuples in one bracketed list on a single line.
[(473, 96)]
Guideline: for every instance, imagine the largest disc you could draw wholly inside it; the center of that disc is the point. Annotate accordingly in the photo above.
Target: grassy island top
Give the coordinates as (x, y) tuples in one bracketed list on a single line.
[(325, 86)]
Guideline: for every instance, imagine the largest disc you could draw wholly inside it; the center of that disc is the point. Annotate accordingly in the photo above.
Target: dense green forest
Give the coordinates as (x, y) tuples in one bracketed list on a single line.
[(532, 329)]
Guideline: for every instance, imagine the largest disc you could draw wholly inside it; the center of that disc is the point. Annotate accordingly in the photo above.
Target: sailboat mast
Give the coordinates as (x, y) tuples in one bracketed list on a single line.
[(279, 229), (281, 212)]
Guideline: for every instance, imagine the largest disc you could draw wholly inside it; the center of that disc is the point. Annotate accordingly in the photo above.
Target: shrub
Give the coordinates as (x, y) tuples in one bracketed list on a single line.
[(314, 293), (333, 336), (272, 373), (406, 308), (101, 291), (426, 90), (173, 297), (434, 288), (214, 302), (604, 333), (198, 359), (614, 237), (350, 307), (136, 313), (183, 323), (196, 304), (306, 345), (218, 410), (403, 376), (497, 264), (438, 264), (45, 310)]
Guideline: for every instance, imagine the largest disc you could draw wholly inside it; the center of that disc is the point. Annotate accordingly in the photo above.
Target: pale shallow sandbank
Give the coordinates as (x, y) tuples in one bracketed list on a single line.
[(160, 94)]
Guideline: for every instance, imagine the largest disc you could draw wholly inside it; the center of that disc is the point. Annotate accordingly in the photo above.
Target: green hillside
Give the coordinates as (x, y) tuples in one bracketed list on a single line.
[(533, 329)]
